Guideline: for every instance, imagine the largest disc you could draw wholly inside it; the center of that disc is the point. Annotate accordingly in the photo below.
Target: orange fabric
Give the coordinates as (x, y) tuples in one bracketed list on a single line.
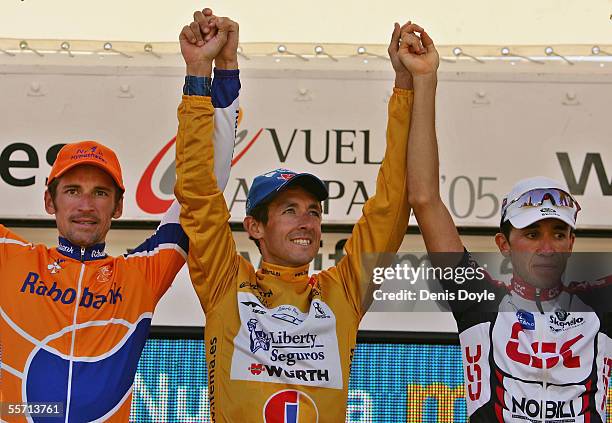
[(87, 153), (73, 329)]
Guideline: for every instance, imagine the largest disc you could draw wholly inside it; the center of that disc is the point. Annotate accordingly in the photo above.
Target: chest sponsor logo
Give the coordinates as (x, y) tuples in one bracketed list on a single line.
[(529, 408), (531, 354), (281, 339), (104, 274), (290, 406), (32, 284), (255, 308), (289, 314), (285, 345), (473, 372), (526, 319), (55, 267), (561, 321), (305, 375)]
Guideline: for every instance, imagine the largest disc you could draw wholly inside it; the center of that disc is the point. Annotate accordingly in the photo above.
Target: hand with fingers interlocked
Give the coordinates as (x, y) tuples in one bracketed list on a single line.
[(209, 38), (417, 53)]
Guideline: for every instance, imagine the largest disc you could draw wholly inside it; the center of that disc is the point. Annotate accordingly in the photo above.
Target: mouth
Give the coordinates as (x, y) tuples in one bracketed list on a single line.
[(85, 222), (304, 242)]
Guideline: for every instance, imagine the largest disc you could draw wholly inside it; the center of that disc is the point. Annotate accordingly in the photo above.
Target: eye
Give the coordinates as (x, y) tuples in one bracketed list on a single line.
[(71, 191), (101, 193), (560, 235), (289, 210), (531, 235), (315, 213)]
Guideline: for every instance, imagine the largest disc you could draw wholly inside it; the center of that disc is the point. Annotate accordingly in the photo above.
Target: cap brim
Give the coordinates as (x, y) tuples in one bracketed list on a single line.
[(535, 214), (91, 162), (310, 183)]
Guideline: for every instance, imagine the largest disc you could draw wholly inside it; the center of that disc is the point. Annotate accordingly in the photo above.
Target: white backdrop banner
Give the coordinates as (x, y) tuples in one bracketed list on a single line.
[(493, 129)]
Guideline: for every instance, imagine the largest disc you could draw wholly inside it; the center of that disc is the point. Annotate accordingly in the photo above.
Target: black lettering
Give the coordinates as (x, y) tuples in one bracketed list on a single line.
[(360, 188), (308, 133), (533, 408), (282, 155), (52, 153), (6, 164), (578, 187), (242, 187), (516, 405), (340, 145), (332, 196), (274, 371)]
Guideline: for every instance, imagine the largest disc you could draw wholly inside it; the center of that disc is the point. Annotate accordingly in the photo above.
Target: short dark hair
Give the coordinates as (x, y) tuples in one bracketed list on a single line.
[(507, 227), (52, 188), (260, 214)]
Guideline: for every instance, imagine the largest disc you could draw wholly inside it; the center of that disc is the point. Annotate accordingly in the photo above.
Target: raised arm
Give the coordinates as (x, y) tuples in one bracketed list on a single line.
[(435, 222), (204, 214)]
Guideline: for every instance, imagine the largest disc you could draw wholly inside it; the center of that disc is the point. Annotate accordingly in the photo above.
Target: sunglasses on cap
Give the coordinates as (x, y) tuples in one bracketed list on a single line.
[(537, 197)]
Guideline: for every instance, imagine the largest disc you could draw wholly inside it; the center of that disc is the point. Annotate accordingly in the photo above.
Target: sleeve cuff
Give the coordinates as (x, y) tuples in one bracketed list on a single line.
[(197, 85), (226, 73)]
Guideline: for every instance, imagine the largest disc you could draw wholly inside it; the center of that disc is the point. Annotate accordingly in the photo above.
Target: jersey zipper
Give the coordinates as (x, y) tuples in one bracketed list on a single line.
[(543, 396), (74, 321)]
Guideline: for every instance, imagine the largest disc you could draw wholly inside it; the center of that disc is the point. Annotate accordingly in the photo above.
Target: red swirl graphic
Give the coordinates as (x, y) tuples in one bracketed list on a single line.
[(146, 198)]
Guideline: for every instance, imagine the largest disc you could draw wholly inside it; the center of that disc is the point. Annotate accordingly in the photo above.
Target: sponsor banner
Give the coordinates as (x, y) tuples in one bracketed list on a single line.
[(337, 132)]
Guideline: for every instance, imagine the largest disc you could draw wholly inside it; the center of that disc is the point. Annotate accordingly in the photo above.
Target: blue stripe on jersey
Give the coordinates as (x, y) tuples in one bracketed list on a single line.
[(97, 386), (225, 87), (169, 233)]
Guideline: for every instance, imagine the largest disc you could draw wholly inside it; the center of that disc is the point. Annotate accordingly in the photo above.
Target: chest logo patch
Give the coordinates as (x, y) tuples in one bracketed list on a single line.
[(285, 345)]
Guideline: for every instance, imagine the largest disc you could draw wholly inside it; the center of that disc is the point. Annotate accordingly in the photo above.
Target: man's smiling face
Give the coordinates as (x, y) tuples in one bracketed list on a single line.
[(292, 235)]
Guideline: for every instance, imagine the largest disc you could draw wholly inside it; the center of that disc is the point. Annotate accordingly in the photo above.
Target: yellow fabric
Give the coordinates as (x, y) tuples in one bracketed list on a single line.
[(274, 334)]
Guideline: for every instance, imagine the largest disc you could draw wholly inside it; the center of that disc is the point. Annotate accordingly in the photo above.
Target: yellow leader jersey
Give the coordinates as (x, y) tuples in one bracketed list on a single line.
[(279, 343)]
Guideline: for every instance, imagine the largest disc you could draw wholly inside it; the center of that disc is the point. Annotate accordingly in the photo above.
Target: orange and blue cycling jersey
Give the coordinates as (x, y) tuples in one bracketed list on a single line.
[(74, 321)]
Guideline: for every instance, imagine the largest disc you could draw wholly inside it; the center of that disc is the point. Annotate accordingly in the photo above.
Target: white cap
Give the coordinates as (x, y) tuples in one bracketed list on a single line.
[(521, 217)]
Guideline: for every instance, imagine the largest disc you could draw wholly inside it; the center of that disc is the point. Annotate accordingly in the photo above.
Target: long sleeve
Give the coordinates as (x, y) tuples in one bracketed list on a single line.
[(204, 214)]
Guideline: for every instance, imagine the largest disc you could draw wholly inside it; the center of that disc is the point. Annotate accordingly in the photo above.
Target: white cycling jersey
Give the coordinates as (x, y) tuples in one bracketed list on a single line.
[(544, 356)]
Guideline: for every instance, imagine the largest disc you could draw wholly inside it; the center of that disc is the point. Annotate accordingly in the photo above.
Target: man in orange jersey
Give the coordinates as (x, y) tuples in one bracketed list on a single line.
[(279, 342), (73, 320)]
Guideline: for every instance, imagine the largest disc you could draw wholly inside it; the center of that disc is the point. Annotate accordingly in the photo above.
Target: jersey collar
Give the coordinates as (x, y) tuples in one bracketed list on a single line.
[(291, 274), (67, 248), (529, 292)]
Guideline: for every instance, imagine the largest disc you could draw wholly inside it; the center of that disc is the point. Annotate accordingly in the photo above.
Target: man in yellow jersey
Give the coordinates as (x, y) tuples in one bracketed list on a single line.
[(279, 342)]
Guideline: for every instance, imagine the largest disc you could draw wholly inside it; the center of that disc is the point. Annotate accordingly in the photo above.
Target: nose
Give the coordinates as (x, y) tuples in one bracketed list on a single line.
[(307, 220), (546, 246), (86, 203)]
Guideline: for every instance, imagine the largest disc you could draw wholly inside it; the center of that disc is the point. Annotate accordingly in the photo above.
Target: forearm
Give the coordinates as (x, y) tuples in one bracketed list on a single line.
[(423, 163), (435, 222)]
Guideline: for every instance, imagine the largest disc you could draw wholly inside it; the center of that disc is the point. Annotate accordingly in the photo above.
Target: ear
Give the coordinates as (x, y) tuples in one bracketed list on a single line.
[(49, 206), (119, 209), (254, 228), (572, 239), (503, 244)]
